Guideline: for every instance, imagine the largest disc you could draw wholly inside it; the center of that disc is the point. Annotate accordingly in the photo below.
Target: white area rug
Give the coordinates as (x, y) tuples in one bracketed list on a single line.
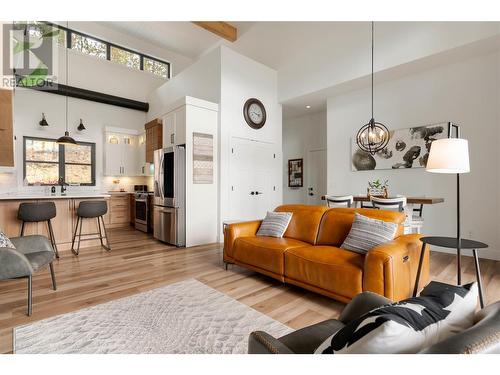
[(186, 317)]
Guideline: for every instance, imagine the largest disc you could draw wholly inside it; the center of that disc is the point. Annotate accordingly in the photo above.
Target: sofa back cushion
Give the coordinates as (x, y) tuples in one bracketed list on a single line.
[(305, 221), (337, 222)]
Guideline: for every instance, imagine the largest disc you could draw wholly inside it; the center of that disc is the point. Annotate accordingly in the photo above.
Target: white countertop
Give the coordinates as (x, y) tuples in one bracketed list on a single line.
[(70, 195)]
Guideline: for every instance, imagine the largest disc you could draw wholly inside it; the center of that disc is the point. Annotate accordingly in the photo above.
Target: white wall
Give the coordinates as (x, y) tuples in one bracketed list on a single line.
[(200, 80), (301, 134), (465, 92), (178, 62), (243, 78)]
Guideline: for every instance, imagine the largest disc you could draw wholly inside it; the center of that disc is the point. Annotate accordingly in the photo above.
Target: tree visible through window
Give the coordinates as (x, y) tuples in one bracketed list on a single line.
[(45, 161), (88, 45), (156, 67), (121, 56)]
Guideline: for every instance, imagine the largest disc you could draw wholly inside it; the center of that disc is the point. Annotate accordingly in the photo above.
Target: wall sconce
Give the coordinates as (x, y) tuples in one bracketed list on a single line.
[(81, 127), (43, 121)]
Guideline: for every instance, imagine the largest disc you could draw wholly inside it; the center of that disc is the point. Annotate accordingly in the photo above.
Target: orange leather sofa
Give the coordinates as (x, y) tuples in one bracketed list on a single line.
[(309, 254)]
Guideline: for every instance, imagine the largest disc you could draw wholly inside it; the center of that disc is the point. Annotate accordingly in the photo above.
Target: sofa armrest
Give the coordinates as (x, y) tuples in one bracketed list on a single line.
[(361, 304), (261, 342), (233, 231), (390, 269), (13, 264)]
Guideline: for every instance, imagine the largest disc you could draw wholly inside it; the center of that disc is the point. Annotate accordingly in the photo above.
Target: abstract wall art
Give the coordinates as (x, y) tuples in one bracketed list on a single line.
[(407, 148), (203, 158)]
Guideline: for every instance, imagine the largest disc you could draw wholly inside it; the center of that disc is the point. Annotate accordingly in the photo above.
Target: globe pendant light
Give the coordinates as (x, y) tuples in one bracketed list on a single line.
[(66, 139), (373, 136)]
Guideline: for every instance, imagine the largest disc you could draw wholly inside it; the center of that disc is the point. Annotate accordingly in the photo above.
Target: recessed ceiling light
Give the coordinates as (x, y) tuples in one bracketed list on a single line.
[(308, 106)]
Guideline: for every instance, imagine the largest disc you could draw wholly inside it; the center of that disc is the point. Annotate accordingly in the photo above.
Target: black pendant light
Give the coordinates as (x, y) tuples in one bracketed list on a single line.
[(373, 136), (43, 121), (66, 139)]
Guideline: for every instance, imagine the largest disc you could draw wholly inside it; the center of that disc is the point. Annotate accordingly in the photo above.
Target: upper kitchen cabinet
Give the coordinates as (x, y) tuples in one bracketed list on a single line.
[(124, 153), (154, 138), (6, 129), (174, 127)]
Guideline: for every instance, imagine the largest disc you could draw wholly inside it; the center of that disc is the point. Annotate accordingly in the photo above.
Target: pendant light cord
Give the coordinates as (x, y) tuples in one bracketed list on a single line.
[(67, 75), (372, 69)]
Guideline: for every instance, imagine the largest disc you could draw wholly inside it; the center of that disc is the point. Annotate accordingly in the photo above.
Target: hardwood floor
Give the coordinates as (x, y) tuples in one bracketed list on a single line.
[(138, 263)]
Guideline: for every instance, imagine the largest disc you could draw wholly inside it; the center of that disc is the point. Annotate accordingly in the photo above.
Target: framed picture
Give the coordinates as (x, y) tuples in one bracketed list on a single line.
[(295, 173), (407, 148)]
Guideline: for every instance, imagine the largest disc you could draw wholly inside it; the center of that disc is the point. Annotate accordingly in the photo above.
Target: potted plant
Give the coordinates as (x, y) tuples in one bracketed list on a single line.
[(377, 188)]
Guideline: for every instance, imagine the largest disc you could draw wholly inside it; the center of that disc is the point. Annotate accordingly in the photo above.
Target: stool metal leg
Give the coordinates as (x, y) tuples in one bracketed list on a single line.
[(107, 247), (53, 238), (30, 297), (79, 236), (100, 232), (419, 270), (53, 276), (478, 276), (74, 235)]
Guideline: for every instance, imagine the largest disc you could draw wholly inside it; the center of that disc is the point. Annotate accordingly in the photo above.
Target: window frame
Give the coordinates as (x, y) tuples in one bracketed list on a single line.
[(108, 45), (62, 160)]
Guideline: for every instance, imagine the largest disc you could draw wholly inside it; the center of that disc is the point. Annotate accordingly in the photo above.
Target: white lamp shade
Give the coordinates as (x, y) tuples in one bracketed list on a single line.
[(449, 155)]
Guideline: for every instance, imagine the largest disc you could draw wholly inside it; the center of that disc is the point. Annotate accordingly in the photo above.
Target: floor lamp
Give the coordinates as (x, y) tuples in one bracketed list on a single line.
[(451, 156)]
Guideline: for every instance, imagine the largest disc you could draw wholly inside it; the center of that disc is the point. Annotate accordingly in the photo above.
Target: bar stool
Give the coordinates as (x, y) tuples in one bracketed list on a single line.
[(38, 212), (339, 200), (91, 210)]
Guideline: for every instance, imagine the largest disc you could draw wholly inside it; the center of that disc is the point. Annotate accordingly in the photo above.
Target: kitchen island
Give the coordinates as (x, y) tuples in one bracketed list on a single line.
[(65, 222)]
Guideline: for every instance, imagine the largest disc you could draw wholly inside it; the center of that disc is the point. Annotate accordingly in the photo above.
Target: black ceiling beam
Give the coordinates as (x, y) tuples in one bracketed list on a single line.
[(94, 96)]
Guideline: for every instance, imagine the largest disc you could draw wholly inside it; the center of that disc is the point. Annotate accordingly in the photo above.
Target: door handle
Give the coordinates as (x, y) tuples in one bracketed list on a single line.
[(172, 138), (258, 192), (311, 194)]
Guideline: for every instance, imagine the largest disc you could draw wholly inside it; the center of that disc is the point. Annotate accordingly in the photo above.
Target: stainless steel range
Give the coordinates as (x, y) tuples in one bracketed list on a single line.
[(141, 208)]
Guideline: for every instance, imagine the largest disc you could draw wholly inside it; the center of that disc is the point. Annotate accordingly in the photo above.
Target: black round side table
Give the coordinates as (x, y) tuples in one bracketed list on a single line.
[(452, 243)]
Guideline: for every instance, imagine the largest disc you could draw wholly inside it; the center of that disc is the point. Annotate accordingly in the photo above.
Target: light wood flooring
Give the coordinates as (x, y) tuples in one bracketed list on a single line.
[(138, 263)]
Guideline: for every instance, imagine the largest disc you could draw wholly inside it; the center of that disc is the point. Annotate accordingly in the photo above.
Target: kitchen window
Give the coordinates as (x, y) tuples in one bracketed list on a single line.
[(121, 56), (46, 161)]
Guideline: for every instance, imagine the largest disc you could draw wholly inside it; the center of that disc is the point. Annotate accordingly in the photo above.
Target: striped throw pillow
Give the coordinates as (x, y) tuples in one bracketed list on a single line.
[(274, 224), (366, 233)]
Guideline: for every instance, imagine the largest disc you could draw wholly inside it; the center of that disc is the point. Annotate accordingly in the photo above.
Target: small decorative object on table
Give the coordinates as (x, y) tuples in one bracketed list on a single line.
[(295, 173), (377, 189)]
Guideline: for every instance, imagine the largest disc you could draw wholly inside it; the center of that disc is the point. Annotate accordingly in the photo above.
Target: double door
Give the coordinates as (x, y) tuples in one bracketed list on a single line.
[(254, 181), (120, 155)]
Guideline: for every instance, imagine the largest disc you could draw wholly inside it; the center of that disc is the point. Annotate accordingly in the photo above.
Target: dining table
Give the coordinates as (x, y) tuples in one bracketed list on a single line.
[(409, 200)]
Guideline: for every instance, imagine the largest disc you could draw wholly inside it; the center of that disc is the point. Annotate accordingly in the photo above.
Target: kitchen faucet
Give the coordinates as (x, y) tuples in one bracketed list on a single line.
[(63, 186)]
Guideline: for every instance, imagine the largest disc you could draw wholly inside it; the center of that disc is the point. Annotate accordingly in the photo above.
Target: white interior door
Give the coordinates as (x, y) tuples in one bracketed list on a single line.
[(316, 176), (253, 183)]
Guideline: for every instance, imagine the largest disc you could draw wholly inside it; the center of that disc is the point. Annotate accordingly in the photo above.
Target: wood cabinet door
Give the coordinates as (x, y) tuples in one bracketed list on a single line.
[(6, 129), (9, 223), (62, 224)]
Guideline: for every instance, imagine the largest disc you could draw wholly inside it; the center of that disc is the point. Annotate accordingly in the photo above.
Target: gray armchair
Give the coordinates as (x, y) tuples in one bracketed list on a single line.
[(482, 337), (31, 254)]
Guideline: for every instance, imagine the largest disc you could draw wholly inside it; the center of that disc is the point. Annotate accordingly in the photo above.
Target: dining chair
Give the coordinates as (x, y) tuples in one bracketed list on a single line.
[(398, 203), (339, 200)]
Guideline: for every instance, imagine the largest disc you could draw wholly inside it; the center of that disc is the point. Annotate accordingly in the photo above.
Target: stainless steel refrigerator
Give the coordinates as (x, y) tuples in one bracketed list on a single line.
[(170, 195)]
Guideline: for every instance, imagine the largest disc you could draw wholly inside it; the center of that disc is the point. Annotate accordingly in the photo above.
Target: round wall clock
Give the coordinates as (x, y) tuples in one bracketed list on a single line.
[(254, 113)]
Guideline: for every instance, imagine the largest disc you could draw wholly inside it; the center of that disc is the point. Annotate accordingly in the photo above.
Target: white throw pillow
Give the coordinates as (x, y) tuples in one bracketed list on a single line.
[(366, 233), (408, 326), (5, 241), (274, 224)]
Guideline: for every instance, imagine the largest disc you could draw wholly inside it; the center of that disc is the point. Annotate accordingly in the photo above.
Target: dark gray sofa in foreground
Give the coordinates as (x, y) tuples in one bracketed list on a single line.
[(482, 338)]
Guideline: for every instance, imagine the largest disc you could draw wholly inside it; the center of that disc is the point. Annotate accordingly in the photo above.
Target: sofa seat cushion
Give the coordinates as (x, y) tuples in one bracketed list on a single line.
[(264, 252), (330, 268)]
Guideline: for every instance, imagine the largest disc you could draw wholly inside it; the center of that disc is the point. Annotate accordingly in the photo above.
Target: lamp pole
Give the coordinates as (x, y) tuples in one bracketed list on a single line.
[(452, 126)]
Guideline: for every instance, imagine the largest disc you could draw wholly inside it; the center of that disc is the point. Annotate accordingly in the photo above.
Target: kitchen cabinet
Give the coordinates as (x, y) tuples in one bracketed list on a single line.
[(6, 129), (119, 209), (154, 138), (174, 127), (124, 153), (132, 209)]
